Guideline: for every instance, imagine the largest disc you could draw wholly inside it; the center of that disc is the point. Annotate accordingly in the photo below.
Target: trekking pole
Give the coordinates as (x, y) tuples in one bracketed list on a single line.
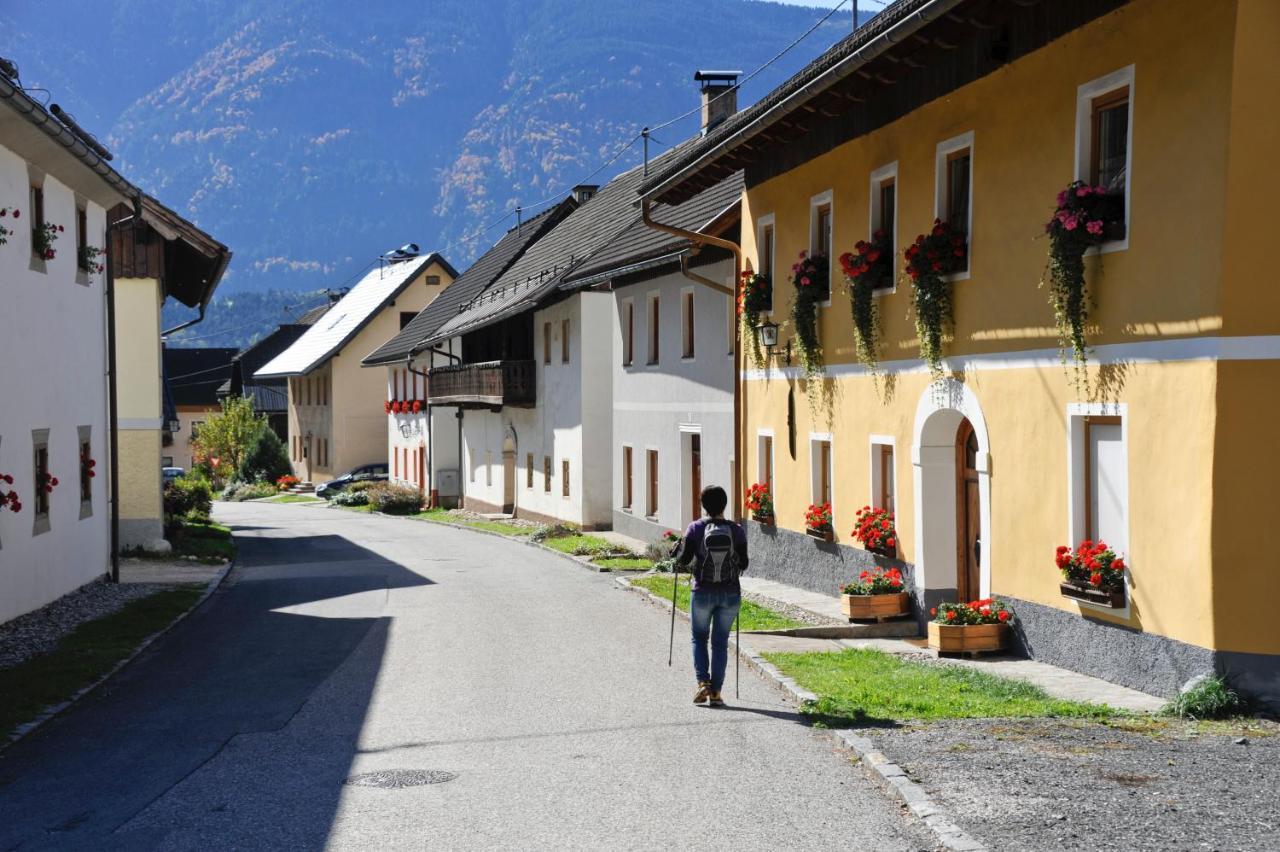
[(675, 583), (737, 655)]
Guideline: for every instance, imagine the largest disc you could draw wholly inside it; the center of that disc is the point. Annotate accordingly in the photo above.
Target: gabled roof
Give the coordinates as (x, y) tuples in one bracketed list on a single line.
[(312, 316), (258, 355), (193, 375), (470, 284), (353, 312), (540, 271), (640, 243)]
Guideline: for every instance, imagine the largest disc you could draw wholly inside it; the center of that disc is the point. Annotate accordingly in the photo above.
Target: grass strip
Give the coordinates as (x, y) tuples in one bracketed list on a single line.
[(209, 542), (293, 498), (622, 563), (581, 545), (753, 615), (500, 527), (861, 687), (86, 654)]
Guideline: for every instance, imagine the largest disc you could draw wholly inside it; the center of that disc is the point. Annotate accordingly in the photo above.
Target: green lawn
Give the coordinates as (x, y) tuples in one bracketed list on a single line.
[(623, 563), (443, 516), (85, 655), (868, 687), (293, 498), (366, 508), (754, 616), (581, 545), (209, 542)]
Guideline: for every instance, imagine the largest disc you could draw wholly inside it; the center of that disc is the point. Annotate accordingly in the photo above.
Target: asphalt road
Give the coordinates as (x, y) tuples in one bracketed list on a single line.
[(344, 644)]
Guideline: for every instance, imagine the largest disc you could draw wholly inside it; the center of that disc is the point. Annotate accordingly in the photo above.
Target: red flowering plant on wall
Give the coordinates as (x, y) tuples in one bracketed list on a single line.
[(1082, 219), (286, 481), (89, 258), (417, 406), (760, 502), (929, 259), (48, 482), (671, 536), (43, 236), (818, 517), (9, 498), (985, 611), (1092, 563), (386, 406), (869, 267), (811, 285), (880, 581), (4, 214), (875, 530)]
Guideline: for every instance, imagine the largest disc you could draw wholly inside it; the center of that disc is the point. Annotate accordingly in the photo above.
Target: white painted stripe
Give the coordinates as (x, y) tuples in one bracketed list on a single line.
[(1183, 349), (140, 423), (677, 407)]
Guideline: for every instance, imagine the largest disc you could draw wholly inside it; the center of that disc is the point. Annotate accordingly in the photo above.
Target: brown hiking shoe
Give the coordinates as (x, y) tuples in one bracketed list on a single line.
[(703, 693), (714, 700)]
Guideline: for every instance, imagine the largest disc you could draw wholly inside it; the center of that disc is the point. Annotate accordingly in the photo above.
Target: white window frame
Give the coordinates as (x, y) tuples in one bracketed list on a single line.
[(769, 220), (688, 304), (1077, 510), (761, 434), (816, 438), (875, 444), (824, 197), (873, 220), (488, 469), (1085, 96), (950, 146)]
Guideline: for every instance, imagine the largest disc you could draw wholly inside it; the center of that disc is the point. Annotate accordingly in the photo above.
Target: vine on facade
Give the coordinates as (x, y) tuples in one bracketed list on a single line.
[(811, 284), (755, 297), (929, 260), (869, 267)]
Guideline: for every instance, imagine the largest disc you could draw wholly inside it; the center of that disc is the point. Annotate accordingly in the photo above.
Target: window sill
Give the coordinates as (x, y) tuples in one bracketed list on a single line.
[(884, 291)]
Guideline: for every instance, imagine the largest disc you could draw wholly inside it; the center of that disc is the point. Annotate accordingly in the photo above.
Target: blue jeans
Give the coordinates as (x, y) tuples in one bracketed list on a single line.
[(712, 615)]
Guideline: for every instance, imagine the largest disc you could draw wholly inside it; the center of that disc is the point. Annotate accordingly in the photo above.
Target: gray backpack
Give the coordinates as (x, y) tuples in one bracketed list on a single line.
[(718, 559)]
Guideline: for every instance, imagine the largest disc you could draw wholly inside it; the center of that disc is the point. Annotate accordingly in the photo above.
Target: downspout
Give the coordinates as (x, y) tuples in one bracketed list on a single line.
[(113, 415), (700, 239)]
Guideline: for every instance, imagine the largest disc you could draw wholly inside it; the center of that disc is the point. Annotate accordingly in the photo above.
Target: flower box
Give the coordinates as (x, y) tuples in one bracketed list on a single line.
[(827, 534), (766, 520), (950, 638), (1112, 598), (871, 607)]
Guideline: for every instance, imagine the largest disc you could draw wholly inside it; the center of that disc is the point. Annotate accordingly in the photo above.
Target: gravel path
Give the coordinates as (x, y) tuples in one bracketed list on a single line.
[(1063, 785), (792, 611), (40, 631)]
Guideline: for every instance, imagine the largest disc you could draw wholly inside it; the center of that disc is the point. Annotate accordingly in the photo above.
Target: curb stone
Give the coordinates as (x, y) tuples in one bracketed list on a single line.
[(56, 710), (889, 776)]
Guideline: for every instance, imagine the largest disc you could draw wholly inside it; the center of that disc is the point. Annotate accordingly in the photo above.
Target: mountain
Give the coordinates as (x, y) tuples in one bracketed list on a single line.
[(310, 135)]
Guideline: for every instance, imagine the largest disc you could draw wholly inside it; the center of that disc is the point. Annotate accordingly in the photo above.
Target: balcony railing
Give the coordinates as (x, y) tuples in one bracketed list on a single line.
[(491, 384)]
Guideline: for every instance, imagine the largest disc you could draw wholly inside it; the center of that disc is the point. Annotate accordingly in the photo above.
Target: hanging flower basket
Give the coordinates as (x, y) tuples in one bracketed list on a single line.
[(1093, 573), (754, 298), (760, 504), (929, 260), (9, 498), (866, 269), (1086, 216), (811, 285), (877, 594), (977, 626)]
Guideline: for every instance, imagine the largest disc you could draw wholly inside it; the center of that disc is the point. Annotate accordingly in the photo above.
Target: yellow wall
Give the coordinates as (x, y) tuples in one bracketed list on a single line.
[(1167, 284), (138, 347), (140, 485)]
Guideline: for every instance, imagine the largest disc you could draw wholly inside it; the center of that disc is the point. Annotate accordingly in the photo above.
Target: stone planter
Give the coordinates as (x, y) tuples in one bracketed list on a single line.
[(875, 607), (968, 637), (827, 534), (1100, 597)]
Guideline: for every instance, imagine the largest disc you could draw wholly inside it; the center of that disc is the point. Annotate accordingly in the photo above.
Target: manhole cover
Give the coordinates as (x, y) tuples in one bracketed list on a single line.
[(394, 779)]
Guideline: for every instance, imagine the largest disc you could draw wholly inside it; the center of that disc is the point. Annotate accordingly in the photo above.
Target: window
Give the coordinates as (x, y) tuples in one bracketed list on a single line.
[(765, 244), (166, 461), (626, 478), (820, 225), (488, 468), (1104, 142), (653, 483), (628, 333), (406, 317), (764, 459), (686, 317), (654, 339), (433, 280), (528, 470), (546, 343), (953, 199), (195, 428), (40, 463), (1098, 450), (821, 472), (546, 474), (564, 341), (564, 477), (82, 238), (37, 214), (884, 211), (471, 465), (87, 472), (883, 483)]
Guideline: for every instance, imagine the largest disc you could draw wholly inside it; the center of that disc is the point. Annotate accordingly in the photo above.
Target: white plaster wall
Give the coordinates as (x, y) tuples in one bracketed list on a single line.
[(409, 431), (54, 335), (652, 404)]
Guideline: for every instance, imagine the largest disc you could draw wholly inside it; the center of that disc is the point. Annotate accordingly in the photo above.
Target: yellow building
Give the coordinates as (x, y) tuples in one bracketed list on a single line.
[(157, 256), (980, 114), (337, 415)]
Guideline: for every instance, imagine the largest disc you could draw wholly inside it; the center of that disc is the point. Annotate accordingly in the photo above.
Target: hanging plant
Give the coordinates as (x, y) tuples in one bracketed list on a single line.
[(754, 299), (1081, 221), (43, 236), (929, 259), (89, 258), (811, 284), (9, 499), (5, 232), (869, 267)]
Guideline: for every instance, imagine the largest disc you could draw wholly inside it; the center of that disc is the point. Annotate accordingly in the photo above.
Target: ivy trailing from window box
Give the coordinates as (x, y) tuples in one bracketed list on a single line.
[(754, 299), (89, 258), (811, 284), (5, 232), (43, 236), (9, 498), (929, 259), (869, 267), (1086, 216)]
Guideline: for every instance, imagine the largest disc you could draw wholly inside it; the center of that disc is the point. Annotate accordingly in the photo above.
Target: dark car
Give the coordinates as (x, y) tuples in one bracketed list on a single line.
[(364, 473)]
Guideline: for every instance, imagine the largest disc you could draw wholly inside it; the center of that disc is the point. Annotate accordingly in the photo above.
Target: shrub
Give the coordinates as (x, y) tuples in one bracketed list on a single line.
[(188, 498), (230, 488), (265, 458), (357, 487), (394, 499), (1210, 698), (351, 498), (250, 491)]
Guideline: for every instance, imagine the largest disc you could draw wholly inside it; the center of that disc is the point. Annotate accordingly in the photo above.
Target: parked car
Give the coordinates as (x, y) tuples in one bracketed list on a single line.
[(171, 473), (364, 473)]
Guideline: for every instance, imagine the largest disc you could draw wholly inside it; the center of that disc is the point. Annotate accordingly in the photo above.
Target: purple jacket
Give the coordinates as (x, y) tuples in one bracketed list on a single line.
[(691, 550)]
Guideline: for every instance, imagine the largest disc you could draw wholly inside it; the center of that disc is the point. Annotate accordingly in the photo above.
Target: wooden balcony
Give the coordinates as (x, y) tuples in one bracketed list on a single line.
[(491, 384)]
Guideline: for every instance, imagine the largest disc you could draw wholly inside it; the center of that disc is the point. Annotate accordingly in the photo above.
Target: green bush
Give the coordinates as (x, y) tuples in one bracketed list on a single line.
[(394, 499), (357, 487), (350, 498), (266, 458), (1211, 698), (188, 498), (249, 491)]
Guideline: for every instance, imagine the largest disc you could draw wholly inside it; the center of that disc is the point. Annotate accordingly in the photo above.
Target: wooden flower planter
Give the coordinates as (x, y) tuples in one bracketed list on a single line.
[(1101, 597), (875, 607), (766, 520), (827, 534), (951, 638)]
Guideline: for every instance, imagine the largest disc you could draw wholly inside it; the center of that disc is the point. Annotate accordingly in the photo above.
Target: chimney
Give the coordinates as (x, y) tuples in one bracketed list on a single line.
[(719, 97), (584, 192)]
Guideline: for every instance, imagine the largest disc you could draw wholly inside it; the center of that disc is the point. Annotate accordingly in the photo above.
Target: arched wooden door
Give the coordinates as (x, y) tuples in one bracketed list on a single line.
[(968, 515)]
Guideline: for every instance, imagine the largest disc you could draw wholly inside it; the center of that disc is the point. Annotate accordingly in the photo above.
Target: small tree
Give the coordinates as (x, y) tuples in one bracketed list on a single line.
[(226, 436), (266, 459)]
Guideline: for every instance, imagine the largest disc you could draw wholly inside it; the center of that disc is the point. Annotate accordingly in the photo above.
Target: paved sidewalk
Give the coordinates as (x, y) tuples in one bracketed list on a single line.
[(823, 605), (633, 544), (178, 571)]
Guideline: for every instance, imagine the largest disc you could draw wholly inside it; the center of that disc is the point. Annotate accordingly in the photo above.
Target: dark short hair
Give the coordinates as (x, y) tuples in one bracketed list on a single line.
[(714, 499)]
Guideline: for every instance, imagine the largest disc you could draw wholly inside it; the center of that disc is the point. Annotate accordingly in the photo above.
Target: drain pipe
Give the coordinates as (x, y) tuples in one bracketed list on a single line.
[(113, 415), (699, 240)]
